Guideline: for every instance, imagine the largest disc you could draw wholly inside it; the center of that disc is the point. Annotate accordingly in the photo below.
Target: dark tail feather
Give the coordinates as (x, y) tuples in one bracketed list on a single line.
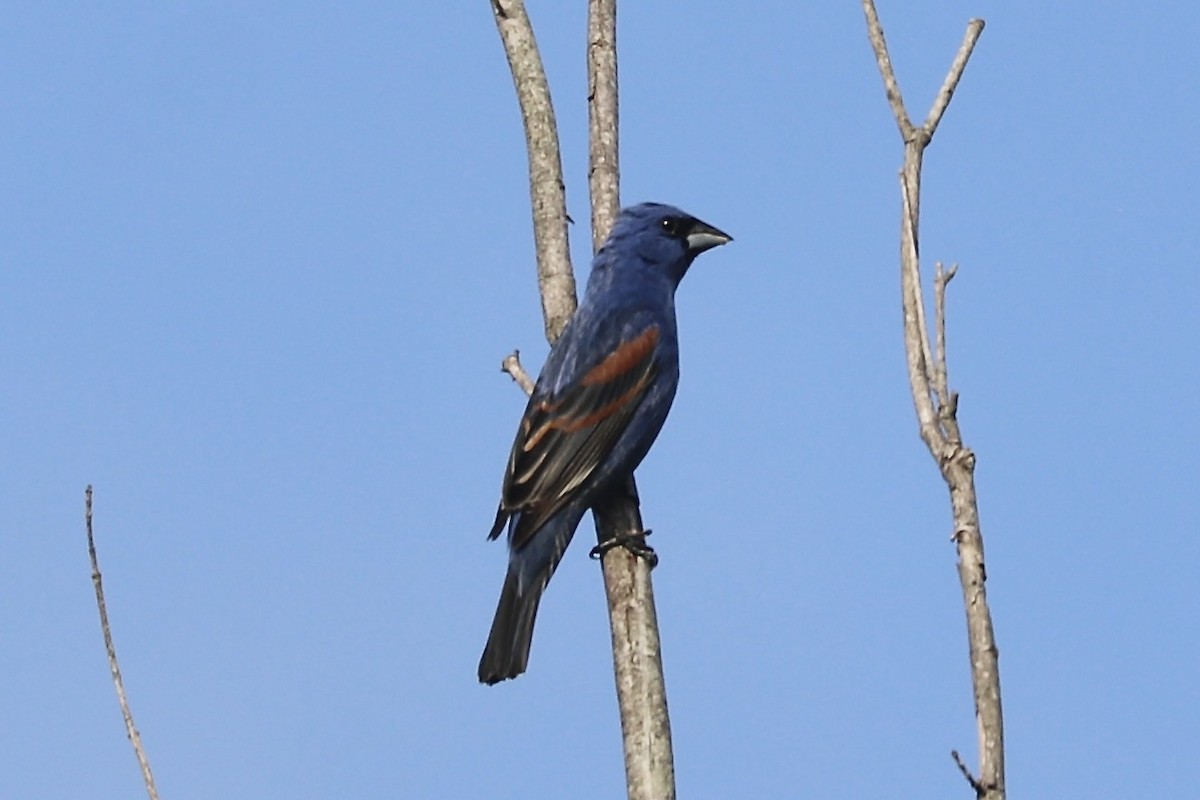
[(507, 649)]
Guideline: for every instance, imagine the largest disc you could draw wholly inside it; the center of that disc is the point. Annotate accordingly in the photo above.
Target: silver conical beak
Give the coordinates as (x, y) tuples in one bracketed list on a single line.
[(703, 237)]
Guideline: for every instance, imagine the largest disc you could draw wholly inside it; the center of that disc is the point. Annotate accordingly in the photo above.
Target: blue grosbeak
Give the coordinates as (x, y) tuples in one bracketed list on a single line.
[(599, 403)]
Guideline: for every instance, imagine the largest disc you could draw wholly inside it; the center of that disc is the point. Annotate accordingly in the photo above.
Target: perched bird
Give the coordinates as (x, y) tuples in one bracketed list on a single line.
[(598, 405)]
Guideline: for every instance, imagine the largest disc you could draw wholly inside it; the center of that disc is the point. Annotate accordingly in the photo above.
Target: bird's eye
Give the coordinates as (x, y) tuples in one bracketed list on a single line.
[(671, 225)]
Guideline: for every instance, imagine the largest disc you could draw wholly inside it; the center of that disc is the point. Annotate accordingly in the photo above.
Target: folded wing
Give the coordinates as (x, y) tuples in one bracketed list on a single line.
[(563, 438)]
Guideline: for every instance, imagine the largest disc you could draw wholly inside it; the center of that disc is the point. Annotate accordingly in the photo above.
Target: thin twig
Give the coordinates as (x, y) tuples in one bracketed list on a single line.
[(512, 365), (884, 61), (113, 666), (942, 101), (941, 384), (966, 773)]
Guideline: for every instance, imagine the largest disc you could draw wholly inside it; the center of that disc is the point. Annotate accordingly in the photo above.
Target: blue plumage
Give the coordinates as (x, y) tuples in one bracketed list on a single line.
[(599, 403)]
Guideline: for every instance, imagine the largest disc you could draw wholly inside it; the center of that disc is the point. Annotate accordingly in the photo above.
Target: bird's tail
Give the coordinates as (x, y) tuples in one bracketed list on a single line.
[(507, 651)]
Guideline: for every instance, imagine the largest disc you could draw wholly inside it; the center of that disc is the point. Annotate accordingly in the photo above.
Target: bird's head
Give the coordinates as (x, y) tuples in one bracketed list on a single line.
[(659, 237)]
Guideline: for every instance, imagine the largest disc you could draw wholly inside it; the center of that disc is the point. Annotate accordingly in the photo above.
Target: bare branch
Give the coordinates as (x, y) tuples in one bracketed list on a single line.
[(916, 343), (547, 192), (941, 384), (884, 61), (966, 773), (512, 365), (604, 173), (633, 620), (942, 101), (113, 667), (637, 653), (937, 408)]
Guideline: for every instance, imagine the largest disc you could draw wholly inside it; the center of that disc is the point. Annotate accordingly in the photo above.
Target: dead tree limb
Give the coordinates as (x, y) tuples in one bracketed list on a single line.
[(113, 667), (937, 406), (637, 660)]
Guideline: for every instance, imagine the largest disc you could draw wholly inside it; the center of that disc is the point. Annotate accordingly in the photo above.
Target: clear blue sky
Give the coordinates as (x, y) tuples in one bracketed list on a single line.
[(259, 265)]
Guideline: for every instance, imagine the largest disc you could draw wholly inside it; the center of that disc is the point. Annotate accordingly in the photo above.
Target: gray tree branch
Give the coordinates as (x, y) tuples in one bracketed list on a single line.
[(633, 619), (114, 668), (547, 192), (637, 660), (937, 407), (512, 365), (604, 173)]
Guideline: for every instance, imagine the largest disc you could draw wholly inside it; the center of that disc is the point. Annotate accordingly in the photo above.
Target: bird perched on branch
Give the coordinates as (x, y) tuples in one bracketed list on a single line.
[(598, 405)]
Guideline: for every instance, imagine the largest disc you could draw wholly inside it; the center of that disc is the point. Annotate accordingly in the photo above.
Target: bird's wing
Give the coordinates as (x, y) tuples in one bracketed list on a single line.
[(564, 437)]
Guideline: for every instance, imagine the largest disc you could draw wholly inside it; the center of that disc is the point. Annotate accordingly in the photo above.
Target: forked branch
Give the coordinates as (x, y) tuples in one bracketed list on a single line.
[(936, 405)]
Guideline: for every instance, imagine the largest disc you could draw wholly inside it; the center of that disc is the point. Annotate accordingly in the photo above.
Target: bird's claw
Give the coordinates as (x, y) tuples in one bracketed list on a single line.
[(635, 543)]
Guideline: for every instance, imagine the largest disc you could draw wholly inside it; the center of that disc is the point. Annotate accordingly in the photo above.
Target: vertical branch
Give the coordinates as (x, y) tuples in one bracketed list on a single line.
[(941, 382), (884, 62), (547, 192), (637, 662), (604, 172), (937, 408), (917, 355), (633, 619), (637, 653), (113, 667)]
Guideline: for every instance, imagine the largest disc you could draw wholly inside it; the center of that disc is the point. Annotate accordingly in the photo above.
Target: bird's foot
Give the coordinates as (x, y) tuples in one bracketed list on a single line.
[(635, 543)]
